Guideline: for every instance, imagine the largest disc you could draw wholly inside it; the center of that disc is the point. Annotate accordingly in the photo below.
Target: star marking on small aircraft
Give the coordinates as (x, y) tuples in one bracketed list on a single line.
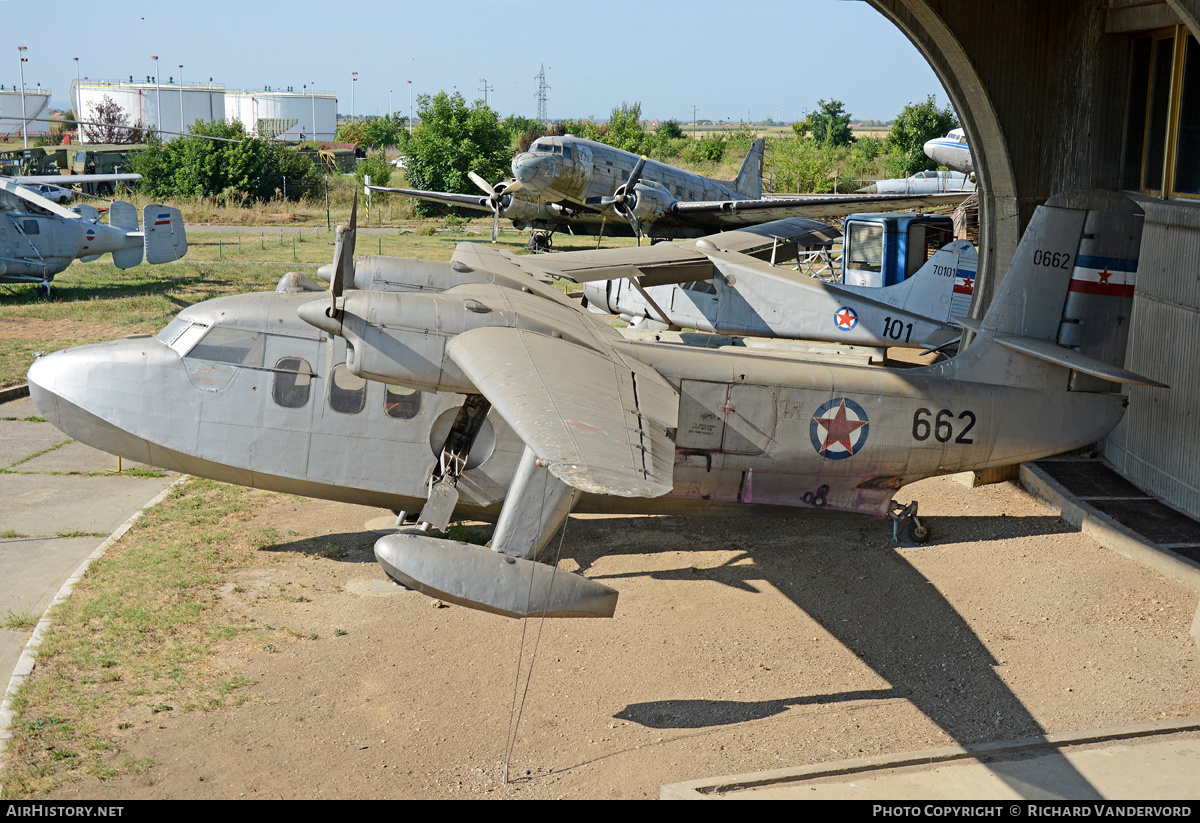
[(846, 318), (845, 427), (1104, 275)]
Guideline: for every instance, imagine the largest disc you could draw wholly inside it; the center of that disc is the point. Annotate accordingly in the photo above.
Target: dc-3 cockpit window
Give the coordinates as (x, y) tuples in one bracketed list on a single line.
[(293, 381), (347, 391)]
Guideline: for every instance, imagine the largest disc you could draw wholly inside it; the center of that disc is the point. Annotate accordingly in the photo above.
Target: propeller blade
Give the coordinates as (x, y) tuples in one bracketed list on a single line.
[(495, 224), (483, 184), (515, 185), (335, 280), (353, 235)]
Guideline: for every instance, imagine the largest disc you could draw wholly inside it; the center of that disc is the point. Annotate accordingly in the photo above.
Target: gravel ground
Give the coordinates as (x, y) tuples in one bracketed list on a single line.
[(739, 644)]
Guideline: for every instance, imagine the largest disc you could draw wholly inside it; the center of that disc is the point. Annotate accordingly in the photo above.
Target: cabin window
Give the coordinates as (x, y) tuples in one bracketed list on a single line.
[(293, 381), (702, 286), (864, 246), (347, 391), (224, 345), (30, 227), (924, 241), (1161, 155), (566, 151), (401, 402)]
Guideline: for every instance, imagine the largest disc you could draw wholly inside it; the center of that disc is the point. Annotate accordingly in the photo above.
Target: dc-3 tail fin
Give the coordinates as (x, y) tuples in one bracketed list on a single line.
[(1069, 292), (749, 179), (166, 239)]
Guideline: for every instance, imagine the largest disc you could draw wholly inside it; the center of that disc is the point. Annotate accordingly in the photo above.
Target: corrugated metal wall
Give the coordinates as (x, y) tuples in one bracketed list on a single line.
[(1157, 445)]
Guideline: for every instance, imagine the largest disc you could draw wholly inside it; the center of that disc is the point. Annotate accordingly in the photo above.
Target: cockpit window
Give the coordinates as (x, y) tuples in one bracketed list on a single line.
[(566, 152), (293, 380), (181, 334), (225, 345)]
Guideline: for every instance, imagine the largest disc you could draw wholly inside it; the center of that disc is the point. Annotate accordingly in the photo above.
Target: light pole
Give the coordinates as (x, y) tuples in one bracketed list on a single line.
[(157, 98), (353, 85), (313, 89), (78, 98), (182, 122), (389, 104), (24, 122), (409, 107)]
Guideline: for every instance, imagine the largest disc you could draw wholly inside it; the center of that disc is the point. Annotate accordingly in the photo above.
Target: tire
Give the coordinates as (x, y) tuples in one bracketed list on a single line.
[(919, 532)]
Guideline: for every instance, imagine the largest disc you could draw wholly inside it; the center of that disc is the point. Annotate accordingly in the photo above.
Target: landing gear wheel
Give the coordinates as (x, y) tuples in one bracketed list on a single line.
[(539, 241), (44, 291), (919, 532)]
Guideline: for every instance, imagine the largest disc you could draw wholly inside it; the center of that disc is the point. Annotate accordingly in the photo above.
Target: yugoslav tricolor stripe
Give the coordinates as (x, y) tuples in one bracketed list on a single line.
[(1108, 276), (964, 282), (163, 219)]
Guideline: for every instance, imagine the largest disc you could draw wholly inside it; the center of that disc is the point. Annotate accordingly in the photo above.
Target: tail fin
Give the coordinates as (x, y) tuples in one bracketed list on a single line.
[(166, 239), (749, 179), (122, 215), (1069, 292)]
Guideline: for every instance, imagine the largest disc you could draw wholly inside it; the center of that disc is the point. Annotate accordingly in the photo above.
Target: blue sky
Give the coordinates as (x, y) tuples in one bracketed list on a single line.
[(756, 59)]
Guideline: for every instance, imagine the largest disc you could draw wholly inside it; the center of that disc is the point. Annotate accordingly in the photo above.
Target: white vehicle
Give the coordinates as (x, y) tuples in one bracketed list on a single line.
[(55, 194)]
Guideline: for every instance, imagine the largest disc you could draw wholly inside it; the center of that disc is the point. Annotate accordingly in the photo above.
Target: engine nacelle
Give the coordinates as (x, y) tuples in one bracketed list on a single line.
[(648, 201)]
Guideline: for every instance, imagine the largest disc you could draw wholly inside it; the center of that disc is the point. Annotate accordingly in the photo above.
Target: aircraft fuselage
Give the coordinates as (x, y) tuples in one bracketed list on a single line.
[(239, 389)]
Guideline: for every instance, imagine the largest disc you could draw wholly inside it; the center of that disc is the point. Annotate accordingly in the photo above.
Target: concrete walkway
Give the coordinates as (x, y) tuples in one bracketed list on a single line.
[(58, 502)]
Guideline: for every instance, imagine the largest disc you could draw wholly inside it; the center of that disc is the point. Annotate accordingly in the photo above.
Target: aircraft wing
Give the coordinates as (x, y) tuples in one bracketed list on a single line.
[(73, 179), (598, 421), (35, 199), (470, 201), (684, 262), (736, 213)]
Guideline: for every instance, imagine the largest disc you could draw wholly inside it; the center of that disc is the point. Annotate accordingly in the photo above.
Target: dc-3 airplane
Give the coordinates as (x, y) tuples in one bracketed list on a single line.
[(951, 151), (485, 393), (901, 282), (566, 183), (39, 238)]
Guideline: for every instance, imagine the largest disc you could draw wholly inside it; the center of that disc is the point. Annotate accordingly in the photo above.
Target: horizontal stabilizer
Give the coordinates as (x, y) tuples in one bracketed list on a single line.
[(480, 578), (127, 258), (968, 323), (166, 239), (1071, 359)]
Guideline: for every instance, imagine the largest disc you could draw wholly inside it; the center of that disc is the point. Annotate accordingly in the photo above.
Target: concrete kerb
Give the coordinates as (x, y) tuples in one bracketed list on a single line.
[(1112, 534), (713, 788), (14, 392), (25, 665)]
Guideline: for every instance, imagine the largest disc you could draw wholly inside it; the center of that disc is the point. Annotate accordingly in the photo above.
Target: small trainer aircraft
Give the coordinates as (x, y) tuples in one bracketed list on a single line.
[(484, 392), (732, 283), (39, 238), (566, 183)]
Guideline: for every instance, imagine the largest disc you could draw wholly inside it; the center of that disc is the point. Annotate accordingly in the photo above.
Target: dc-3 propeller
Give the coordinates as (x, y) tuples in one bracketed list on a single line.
[(495, 194), (624, 200)]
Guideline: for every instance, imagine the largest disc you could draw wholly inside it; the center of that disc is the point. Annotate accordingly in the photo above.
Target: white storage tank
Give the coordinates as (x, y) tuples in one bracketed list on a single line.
[(287, 114), (181, 104), (37, 108)]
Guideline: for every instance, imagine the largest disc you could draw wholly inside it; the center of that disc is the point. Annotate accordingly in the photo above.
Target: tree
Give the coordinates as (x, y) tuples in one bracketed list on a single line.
[(220, 159), (828, 125), (374, 132), (625, 130), (917, 124), (452, 139), (108, 123)]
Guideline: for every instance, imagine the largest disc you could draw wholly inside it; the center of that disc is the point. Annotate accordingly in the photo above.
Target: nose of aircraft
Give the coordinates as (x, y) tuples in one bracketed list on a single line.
[(534, 170)]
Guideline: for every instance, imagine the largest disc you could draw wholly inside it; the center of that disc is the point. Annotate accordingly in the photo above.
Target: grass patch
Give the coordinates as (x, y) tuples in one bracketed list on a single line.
[(132, 641), (79, 533), (19, 621)]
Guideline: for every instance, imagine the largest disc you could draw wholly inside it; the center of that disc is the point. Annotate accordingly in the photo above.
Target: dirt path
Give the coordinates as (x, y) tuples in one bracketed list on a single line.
[(738, 645)]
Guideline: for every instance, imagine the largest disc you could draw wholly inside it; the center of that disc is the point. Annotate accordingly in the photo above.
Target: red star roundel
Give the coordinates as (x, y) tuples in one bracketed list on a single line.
[(839, 429), (845, 318)]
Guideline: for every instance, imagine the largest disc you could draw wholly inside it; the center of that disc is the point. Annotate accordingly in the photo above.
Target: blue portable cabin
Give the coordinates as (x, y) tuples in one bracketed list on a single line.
[(882, 249)]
